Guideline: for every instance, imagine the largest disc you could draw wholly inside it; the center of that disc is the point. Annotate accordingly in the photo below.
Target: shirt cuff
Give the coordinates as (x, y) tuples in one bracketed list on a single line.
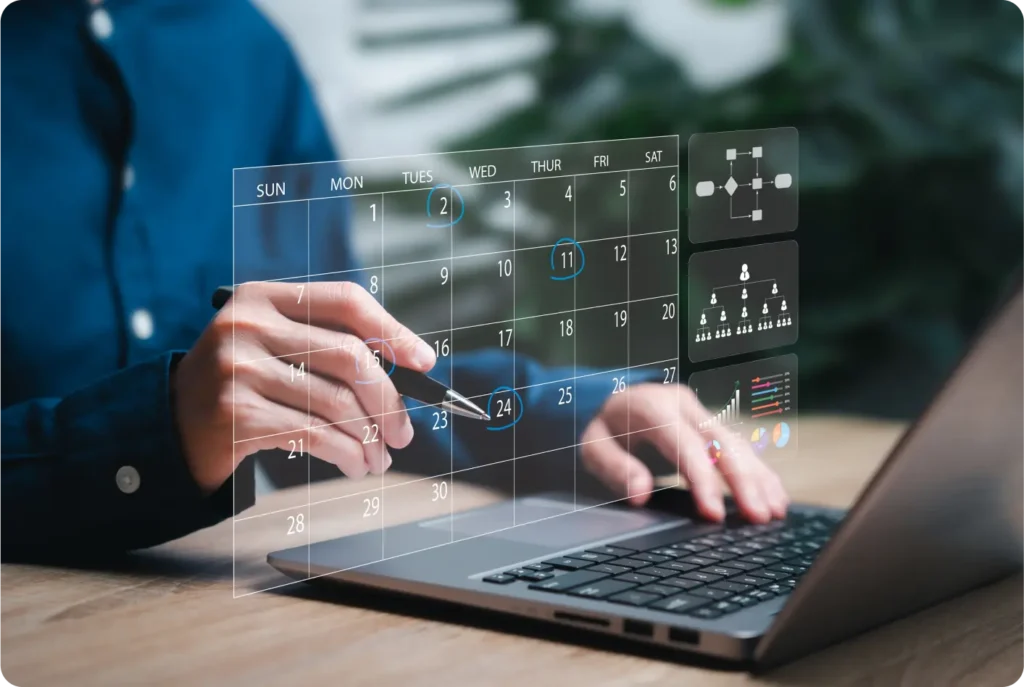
[(125, 452)]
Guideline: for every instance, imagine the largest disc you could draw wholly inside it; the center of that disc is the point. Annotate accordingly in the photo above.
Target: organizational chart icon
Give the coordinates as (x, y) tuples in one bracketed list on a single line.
[(743, 183), (742, 300)]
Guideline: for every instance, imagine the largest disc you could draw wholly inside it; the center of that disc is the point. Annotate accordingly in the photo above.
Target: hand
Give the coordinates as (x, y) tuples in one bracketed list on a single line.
[(237, 381), (673, 413)]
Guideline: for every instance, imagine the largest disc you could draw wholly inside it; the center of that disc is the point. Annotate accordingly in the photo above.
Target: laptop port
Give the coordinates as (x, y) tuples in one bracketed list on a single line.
[(638, 628), (583, 619), (678, 634)]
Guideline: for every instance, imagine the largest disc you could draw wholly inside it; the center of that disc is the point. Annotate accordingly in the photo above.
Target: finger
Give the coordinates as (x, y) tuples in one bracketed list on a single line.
[(677, 439), (619, 470), (347, 381), (270, 425), (330, 443), (375, 453), (347, 306), (695, 463), (330, 405), (737, 463), (775, 492)]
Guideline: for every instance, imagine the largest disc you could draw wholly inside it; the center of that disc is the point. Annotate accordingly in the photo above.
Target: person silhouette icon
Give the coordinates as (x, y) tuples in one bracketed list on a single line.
[(723, 317), (744, 273), (775, 288), (783, 305), (714, 298), (744, 294)]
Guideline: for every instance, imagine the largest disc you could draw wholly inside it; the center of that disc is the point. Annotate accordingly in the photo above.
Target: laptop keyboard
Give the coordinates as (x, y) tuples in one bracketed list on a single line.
[(714, 571)]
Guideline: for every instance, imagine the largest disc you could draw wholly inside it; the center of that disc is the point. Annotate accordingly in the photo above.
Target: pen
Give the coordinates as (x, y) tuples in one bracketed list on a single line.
[(415, 385)]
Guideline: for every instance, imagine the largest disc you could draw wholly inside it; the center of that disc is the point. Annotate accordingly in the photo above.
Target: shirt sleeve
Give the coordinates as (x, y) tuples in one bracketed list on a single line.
[(552, 407), (102, 470)]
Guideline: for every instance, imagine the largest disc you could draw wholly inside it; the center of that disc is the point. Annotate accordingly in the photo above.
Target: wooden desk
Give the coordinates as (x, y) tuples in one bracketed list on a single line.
[(169, 618)]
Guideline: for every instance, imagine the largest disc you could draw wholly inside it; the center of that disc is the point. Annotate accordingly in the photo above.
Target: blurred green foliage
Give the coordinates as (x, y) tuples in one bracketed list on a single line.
[(910, 122)]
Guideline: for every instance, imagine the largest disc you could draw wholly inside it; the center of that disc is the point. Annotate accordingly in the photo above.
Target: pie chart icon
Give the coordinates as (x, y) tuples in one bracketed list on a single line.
[(780, 434), (759, 439)]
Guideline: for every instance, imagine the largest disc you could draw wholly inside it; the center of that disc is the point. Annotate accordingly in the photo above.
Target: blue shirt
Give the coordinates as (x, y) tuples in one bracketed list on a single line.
[(121, 126)]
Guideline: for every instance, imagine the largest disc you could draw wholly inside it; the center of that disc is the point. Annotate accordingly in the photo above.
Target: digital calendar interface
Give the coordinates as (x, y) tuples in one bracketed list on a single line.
[(546, 281)]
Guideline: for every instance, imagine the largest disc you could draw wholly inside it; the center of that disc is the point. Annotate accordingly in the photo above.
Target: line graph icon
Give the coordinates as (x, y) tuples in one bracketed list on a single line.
[(756, 401)]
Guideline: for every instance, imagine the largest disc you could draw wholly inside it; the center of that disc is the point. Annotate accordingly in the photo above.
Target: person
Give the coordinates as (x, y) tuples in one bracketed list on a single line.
[(122, 122)]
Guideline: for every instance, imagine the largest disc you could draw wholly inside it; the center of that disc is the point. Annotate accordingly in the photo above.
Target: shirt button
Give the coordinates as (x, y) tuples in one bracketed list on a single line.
[(100, 23), (128, 177), (142, 324), (128, 479)]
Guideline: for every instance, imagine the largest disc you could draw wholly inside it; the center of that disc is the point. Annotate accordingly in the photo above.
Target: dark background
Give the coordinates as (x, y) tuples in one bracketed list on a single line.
[(909, 115)]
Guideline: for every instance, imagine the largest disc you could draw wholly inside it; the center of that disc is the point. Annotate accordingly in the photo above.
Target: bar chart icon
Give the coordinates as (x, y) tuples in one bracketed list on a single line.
[(729, 415)]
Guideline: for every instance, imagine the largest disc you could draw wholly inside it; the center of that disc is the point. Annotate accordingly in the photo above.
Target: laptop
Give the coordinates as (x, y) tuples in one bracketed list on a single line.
[(941, 516)]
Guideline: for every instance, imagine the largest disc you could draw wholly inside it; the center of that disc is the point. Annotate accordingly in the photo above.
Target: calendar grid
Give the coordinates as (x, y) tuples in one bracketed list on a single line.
[(575, 448), (451, 371), (447, 258), (443, 475), (383, 530), (629, 324), (454, 186), (253, 361), (514, 337), (539, 309)]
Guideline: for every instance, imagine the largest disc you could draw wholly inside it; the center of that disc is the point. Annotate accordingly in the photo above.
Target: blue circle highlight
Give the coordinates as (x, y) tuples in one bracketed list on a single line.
[(583, 258), (390, 357), (518, 418), (462, 204)]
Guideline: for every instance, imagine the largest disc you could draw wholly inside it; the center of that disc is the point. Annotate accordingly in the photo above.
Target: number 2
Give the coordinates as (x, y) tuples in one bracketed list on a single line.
[(504, 407), (371, 434)]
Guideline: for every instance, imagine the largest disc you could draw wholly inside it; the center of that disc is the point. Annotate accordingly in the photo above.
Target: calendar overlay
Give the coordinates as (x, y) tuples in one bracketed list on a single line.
[(562, 255)]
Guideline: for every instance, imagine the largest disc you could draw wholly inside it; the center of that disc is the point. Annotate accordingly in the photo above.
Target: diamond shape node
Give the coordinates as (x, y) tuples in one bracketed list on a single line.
[(731, 186)]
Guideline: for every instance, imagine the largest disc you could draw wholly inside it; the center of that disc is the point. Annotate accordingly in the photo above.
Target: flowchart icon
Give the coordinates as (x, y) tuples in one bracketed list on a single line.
[(743, 183)]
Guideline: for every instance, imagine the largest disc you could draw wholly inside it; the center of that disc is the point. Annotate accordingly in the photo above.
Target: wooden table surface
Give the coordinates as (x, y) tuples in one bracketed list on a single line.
[(169, 616)]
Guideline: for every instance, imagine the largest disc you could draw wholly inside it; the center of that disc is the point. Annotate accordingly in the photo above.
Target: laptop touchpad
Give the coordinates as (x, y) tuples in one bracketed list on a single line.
[(547, 522)]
